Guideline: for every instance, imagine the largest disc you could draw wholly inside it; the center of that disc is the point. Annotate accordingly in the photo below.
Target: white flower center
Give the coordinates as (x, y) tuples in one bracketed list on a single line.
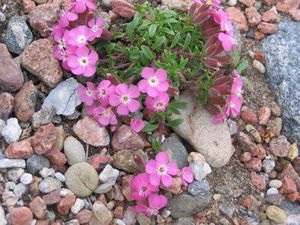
[(81, 39), (83, 61), (232, 105), (95, 28), (89, 92), (159, 106), (125, 99), (153, 81), (102, 93), (106, 114), (152, 211), (162, 170)]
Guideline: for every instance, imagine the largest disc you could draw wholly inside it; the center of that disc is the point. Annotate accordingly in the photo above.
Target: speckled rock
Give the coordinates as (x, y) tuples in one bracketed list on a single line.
[(18, 35), (37, 162), (7, 105), (44, 139), (49, 184), (276, 214), (43, 117)]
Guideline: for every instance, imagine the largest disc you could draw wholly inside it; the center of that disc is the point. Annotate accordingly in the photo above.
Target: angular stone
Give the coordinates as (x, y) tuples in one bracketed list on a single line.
[(44, 139), (101, 214), (7, 105), (271, 15), (253, 16), (39, 60), (37, 162), (43, 117), (19, 150), (65, 204), (249, 116), (12, 163), (198, 165), (49, 184), (56, 157), (267, 28), (212, 141), (20, 216), (287, 5), (64, 98), (18, 35), (123, 8), (11, 76), (247, 3), (27, 5), (38, 207), (280, 146), (258, 181), (236, 16), (52, 198), (12, 131), (25, 101)]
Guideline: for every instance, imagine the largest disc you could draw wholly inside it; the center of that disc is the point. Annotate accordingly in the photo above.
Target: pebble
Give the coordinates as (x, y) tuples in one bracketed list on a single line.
[(3, 220), (199, 166), (84, 216), (59, 176), (272, 191), (101, 214), (199, 188), (81, 179), (19, 150), (15, 174), (89, 131), (60, 137), (259, 66), (253, 132), (64, 192), (20, 189), (43, 117), (7, 102), (49, 184), (12, 131), (26, 178), (233, 129), (2, 125), (2, 17), (109, 175), (104, 188), (275, 183), (236, 16), (280, 146), (268, 165), (78, 205), (293, 152), (276, 214), (37, 162), (12, 163), (20, 216), (10, 185), (64, 98), (47, 172), (232, 2), (73, 150)]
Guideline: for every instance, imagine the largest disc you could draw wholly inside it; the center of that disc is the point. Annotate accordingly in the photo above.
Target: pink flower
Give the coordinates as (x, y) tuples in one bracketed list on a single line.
[(158, 103), (80, 36), (187, 175), (141, 188), (237, 85), (80, 6), (104, 89), (87, 95), (124, 98), (160, 170), (227, 41), (137, 124), (155, 202), (233, 105), (208, 2), (67, 17), (219, 118), (221, 18), (96, 26), (83, 62), (154, 82), (104, 115)]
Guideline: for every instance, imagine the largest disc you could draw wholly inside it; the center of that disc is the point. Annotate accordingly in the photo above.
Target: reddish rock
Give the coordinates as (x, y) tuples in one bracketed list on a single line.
[(98, 160), (288, 186), (11, 76), (292, 197), (260, 56), (39, 60), (42, 222), (126, 190), (27, 6), (52, 198), (19, 150), (253, 16), (89, 131), (247, 3), (25, 101), (259, 36), (280, 146), (272, 174), (119, 211), (44, 139), (175, 187), (295, 14), (271, 15), (102, 198), (246, 143), (34, 188), (267, 28), (248, 201), (264, 115), (288, 171), (65, 204), (269, 2), (84, 216), (262, 153), (123, 8), (126, 139), (38, 207), (245, 157), (7, 105), (248, 116), (254, 164), (20, 216), (56, 157), (258, 181), (236, 16), (287, 5), (296, 164), (43, 17)]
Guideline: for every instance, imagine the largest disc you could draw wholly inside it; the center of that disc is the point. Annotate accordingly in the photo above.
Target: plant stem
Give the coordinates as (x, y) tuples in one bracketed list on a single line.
[(160, 131)]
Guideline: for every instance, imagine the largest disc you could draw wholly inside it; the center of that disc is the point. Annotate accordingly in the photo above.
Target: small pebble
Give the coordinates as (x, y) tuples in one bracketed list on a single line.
[(78, 205), (232, 2), (26, 178), (65, 192), (2, 17), (60, 177), (20, 189), (47, 172), (259, 66), (275, 183), (15, 174), (10, 185), (217, 197), (272, 191)]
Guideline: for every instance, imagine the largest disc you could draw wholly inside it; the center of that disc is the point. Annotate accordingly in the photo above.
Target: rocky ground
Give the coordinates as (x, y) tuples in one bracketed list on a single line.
[(46, 138)]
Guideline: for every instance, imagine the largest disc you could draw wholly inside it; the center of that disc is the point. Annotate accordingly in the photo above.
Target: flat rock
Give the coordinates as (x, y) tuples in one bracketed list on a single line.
[(39, 60), (74, 150), (212, 141), (282, 64), (12, 163), (64, 97), (18, 35), (19, 150), (11, 76)]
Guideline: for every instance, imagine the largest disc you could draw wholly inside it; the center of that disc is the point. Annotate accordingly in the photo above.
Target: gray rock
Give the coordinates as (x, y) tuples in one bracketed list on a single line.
[(199, 188), (199, 166), (212, 141), (12, 163), (176, 150), (81, 179), (185, 221), (19, 190), (268, 165), (15, 174), (18, 35), (37, 162), (2, 125), (103, 188), (49, 184), (74, 150), (43, 117), (186, 205), (282, 64), (109, 175), (64, 97)]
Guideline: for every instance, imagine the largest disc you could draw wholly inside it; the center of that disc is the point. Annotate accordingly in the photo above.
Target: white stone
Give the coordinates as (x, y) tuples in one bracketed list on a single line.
[(12, 131), (15, 174), (26, 178), (259, 66), (47, 172), (272, 191), (12, 163), (10, 185), (20, 189), (3, 220), (78, 205), (109, 175), (199, 166), (59, 176), (232, 2), (275, 183), (65, 192), (2, 125)]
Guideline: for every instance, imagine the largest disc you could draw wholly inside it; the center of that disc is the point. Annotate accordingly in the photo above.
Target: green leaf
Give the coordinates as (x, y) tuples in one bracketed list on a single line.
[(243, 65), (155, 145), (150, 127), (174, 123), (159, 42), (118, 35), (175, 40), (236, 57), (173, 109), (178, 104), (187, 41), (152, 29), (167, 31), (147, 52), (246, 80)]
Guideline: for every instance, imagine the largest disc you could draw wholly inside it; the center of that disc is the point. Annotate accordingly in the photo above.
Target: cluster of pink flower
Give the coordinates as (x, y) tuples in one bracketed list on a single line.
[(72, 36), (145, 186), (108, 100)]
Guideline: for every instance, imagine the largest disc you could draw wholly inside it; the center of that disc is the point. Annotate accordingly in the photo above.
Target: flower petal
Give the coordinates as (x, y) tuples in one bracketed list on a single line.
[(162, 158), (172, 168), (167, 180), (122, 110), (147, 72), (151, 166), (134, 105), (154, 179)]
